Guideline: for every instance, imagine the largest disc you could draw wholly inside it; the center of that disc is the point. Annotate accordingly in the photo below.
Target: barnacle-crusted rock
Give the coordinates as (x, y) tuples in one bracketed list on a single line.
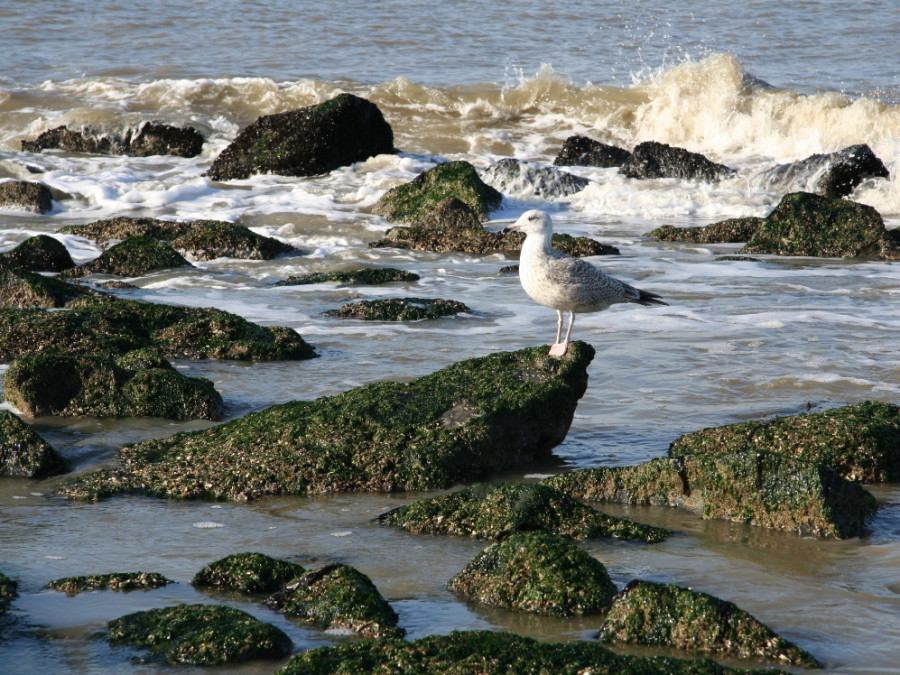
[(370, 276), (730, 231), (461, 423), (339, 597), (248, 573), (117, 581), (659, 160), (492, 510), (861, 441), (759, 488), (398, 309), (584, 151), (133, 257), (149, 138), (52, 383), (655, 614), (20, 289), (199, 635), (104, 324), (25, 195), (41, 253), (23, 453)]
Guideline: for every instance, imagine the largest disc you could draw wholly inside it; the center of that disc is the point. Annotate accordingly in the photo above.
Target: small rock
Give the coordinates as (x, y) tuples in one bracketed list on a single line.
[(511, 176), (584, 151), (134, 257), (149, 138), (25, 196), (23, 453), (363, 277), (120, 581), (20, 289), (658, 160), (247, 573), (41, 253), (398, 309), (730, 231)]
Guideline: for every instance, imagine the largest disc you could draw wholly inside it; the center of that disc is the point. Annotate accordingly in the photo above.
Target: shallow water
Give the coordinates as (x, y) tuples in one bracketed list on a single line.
[(474, 81)]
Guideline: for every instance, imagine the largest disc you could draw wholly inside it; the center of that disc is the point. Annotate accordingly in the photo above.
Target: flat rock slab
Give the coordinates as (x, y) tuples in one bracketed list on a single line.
[(117, 581), (398, 309)]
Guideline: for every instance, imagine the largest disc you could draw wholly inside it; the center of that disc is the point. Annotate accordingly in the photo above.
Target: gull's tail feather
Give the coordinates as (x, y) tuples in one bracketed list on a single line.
[(648, 298)]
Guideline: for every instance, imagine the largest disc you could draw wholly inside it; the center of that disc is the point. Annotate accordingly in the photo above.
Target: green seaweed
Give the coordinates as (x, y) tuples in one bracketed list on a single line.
[(248, 573), (118, 581)]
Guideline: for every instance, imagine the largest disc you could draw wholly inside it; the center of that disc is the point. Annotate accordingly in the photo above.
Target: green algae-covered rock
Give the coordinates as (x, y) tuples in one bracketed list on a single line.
[(412, 202), (51, 383), (21, 289), (23, 453), (461, 423), (489, 511), (666, 615), (860, 441), (398, 309), (758, 488), (100, 324), (807, 224), (730, 231), (339, 597), (41, 253), (25, 196), (248, 573), (9, 591), (365, 277), (536, 572), (133, 257), (200, 635), (490, 653), (119, 581)]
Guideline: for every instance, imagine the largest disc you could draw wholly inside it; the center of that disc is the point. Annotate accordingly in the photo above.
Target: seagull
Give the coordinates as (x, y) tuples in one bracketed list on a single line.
[(566, 284)]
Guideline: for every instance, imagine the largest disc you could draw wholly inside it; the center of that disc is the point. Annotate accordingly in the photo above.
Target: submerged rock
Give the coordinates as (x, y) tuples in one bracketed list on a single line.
[(730, 231), (861, 442), (833, 175), (654, 614), (339, 597), (491, 653), (462, 423), (758, 488), (122, 581), (133, 257), (84, 384), (103, 324), (398, 309), (247, 573), (659, 160), (23, 195), (23, 453), (584, 151), (148, 139), (41, 253), (412, 202), (307, 142), (364, 277), (536, 572), (512, 176), (9, 591), (20, 289), (199, 635), (493, 510)]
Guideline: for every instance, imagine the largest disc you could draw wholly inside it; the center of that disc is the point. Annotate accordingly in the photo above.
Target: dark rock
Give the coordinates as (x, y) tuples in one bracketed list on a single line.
[(308, 141), (512, 176), (95, 384), (103, 324), (462, 423), (412, 202), (41, 253), (372, 276), (658, 160), (492, 653), (757, 488), (149, 138), (247, 573), (861, 442), (121, 581), (339, 597), (833, 175), (199, 635), (492, 510), (9, 591), (23, 453), (398, 309), (21, 289), (811, 225), (584, 151), (539, 573), (451, 213), (25, 195), (730, 231), (648, 613), (133, 257)]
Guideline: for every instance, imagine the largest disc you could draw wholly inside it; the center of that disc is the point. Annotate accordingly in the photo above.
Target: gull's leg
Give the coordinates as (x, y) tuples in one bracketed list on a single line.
[(558, 325), (560, 349)]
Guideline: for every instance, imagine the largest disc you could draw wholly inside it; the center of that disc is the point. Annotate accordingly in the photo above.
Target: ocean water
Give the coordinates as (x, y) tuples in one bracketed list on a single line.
[(753, 86)]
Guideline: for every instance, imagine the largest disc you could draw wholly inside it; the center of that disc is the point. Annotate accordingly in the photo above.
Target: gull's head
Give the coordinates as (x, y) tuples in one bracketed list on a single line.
[(533, 222)]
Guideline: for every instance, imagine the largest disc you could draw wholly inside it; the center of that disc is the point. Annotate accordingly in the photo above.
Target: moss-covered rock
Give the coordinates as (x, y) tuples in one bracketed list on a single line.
[(23, 453), (307, 142), (41, 253), (147, 139), (451, 213), (133, 257), (21, 289), (730, 231), (648, 613), (25, 196), (491, 653), (118, 581), (461, 423), (807, 224), (200, 635), (9, 591), (861, 441), (759, 488), (412, 202), (247, 573), (371, 276), (339, 597), (398, 309), (536, 572), (82, 384), (583, 151), (104, 324), (490, 511)]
